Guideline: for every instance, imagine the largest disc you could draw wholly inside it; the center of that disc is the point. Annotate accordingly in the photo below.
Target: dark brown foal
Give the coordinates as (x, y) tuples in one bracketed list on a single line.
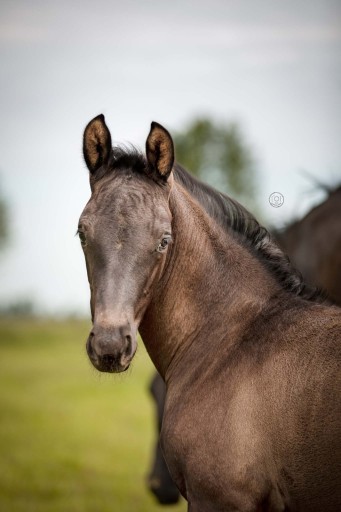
[(250, 359)]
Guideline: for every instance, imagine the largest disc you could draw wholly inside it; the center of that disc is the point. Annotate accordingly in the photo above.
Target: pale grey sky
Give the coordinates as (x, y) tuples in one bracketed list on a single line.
[(272, 65)]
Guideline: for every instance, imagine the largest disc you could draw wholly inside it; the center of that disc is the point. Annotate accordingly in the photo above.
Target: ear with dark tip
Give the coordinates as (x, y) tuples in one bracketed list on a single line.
[(160, 151), (96, 144)]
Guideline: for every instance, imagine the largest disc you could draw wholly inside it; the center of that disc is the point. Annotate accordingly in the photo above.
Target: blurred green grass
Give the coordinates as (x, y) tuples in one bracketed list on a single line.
[(71, 439)]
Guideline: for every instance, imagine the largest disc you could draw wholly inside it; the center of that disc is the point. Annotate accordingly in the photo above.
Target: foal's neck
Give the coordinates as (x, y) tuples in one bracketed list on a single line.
[(211, 288)]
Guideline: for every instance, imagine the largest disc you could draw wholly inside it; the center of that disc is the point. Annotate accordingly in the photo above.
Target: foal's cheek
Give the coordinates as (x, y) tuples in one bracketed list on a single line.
[(148, 282)]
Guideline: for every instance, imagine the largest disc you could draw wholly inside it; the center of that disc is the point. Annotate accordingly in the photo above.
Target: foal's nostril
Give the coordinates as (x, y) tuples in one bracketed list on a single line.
[(89, 346), (129, 344)]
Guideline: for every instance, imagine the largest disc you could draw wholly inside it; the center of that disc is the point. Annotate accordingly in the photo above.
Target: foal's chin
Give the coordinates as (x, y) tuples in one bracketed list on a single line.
[(114, 367)]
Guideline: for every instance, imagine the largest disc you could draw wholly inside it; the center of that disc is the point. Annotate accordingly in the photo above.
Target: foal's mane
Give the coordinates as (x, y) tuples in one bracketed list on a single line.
[(233, 217)]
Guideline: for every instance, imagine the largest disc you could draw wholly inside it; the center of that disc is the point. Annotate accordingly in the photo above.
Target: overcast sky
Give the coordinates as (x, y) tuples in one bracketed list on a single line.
[(272, 65)]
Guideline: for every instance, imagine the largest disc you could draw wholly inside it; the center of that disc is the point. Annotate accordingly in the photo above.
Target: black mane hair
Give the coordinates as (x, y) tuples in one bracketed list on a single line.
[(230, 215)]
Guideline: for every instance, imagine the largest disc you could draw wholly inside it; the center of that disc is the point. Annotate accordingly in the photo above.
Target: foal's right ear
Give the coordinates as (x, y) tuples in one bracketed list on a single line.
[(96, 144)]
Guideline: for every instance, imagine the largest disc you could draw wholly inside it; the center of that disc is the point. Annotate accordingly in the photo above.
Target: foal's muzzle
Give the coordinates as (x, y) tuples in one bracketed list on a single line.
[(111, 349)]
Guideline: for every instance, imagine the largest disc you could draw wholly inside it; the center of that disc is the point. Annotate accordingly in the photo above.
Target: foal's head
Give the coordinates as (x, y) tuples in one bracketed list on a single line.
[(125, 230)]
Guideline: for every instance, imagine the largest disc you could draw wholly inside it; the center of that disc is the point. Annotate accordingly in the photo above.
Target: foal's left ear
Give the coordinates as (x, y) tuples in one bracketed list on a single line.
[(160, 151), (96, 143)]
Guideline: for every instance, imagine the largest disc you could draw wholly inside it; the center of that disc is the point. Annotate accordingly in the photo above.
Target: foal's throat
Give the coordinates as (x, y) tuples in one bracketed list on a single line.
[(204, 297)]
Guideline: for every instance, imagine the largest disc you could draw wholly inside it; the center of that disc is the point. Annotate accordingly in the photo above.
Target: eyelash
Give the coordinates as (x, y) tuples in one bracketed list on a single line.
[(81, 237)]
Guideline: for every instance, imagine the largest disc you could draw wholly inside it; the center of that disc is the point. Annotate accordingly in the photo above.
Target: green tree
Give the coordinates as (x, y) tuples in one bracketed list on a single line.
[(217, 153)]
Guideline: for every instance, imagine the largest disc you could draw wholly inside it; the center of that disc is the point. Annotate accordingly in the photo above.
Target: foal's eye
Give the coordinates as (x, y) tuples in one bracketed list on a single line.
[(163, 244), (82, 237)]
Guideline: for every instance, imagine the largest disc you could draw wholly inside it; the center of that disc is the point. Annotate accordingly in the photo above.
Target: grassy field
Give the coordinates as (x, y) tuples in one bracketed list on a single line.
[(71, 439)]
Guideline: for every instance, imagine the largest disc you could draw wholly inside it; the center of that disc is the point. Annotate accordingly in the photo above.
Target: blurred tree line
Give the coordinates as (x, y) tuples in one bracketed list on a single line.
[(21, 307), (18, 308), (218, 154)]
